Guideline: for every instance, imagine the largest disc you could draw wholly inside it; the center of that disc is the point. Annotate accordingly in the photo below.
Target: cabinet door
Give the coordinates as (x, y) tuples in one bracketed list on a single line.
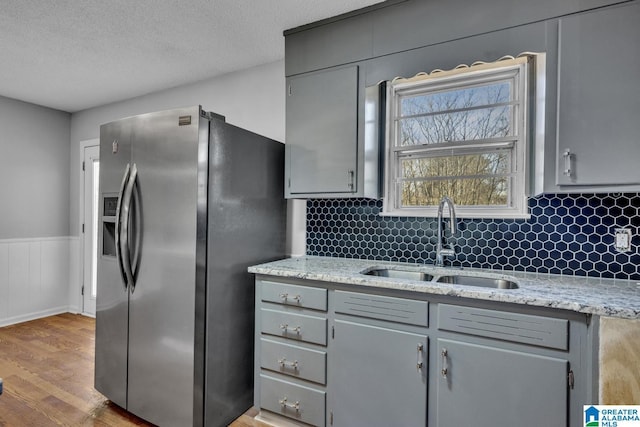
[(375, 379), (322, 132), (599, 97), (486, 386)]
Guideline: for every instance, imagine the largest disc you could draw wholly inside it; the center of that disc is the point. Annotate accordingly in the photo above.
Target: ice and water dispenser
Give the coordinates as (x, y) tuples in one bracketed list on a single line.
[(109, 206)]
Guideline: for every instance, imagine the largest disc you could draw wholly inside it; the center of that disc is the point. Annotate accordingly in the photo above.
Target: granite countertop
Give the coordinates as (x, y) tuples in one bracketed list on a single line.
[(603, 297)]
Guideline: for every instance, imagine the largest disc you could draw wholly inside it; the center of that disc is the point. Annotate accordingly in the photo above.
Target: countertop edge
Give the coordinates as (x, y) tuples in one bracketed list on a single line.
[(544, 290)]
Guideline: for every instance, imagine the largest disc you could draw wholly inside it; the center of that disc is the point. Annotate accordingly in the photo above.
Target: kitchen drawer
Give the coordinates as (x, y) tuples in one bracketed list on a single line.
[(291, 400), (516, 327), (294, 326), (400, 310), (294, 295), (294, 360)]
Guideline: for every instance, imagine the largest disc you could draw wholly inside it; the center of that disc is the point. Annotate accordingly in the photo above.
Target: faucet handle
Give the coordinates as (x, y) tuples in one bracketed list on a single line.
[(449, 252)]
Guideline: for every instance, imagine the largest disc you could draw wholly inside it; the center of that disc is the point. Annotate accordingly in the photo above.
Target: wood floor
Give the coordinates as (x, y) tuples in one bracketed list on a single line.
[(47, 368)]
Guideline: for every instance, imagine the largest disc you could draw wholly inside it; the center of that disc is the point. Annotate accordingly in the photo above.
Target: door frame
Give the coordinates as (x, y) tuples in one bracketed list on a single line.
[(78, 291)]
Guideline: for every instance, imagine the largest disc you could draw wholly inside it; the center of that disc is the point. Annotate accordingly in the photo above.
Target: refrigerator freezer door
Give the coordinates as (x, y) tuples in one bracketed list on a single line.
[(247, 214), (162, 306), (112, 298)]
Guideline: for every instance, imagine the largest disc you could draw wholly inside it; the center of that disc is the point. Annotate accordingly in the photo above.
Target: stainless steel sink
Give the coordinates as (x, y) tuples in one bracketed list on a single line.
[(484, 282), (454, 279), (400, 274)]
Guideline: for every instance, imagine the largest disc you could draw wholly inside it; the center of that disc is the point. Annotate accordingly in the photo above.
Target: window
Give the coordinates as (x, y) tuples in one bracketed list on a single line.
[(463, 134)]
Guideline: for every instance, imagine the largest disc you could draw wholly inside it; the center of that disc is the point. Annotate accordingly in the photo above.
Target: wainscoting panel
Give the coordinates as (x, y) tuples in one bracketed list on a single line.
[(34, 278), (4, 281)]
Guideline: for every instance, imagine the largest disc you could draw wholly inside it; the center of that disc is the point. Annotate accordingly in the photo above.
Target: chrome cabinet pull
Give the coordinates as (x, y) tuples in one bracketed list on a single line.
[(285, 328), (285, 363), (420, 348), (285, 297), (567, 162), (285, 404), (445, 366)]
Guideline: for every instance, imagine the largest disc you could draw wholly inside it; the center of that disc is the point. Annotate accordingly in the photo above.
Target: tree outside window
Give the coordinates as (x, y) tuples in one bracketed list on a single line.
[(460, 134)]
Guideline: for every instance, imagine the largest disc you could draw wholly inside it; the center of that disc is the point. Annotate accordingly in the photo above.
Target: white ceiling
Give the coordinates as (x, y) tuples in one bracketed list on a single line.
[(76, 54)]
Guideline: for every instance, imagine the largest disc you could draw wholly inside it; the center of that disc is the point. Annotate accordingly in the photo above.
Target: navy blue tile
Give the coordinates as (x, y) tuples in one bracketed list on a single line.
[(569, 234)]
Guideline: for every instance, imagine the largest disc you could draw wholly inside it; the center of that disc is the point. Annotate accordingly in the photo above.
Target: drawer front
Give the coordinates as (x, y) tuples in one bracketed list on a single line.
[(400, 310), (515, 327), (293, 360), (297, 296), (294, 326), (291, 400)]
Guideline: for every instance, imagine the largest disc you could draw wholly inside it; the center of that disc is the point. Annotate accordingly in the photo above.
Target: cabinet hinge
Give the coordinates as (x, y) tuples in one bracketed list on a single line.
[(331, 417), (571, 379), (82, 290), (289, 182), (82, 228), (333, 332), (83, 165)]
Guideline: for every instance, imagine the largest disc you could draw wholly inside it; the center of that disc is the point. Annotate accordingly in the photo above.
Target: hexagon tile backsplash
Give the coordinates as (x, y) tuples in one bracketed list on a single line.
[(566, 234)]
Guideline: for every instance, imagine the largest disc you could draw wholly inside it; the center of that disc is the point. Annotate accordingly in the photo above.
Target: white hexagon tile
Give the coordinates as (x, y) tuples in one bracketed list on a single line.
[(566, 234)]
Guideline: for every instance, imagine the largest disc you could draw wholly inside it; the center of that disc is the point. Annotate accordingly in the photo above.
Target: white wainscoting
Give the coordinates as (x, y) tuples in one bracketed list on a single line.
[(75, 275), (35, 279)]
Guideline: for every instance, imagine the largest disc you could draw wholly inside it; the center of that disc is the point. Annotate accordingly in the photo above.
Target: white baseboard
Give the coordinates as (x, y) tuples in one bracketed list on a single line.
[(33, 316)]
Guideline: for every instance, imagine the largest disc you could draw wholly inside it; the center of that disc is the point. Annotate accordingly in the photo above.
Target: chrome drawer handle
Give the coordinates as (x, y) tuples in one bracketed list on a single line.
[(567, 162), (285, 297), (445, 369), (285, 404), (285, 363), (285, 328), (419, 363)]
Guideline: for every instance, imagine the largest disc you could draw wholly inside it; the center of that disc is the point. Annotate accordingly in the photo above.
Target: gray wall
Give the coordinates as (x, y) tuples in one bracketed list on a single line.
[(253, 99), (34, 171)]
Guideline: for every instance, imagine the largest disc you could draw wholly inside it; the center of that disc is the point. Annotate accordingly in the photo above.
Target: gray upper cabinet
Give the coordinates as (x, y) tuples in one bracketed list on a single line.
[(322, 134), (341, 42), (599, 98), (590, 103)]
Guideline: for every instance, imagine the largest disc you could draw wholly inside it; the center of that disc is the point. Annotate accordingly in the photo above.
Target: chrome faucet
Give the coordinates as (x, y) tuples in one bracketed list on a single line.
[(445, 250)]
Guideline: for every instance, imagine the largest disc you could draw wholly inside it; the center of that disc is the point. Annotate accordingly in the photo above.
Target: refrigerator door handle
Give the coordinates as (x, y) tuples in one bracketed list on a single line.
[(124, 228), (136, 243), (119, 205)]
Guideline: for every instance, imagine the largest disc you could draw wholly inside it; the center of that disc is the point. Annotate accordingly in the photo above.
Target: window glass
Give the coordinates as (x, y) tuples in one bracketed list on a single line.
[(461, 135)]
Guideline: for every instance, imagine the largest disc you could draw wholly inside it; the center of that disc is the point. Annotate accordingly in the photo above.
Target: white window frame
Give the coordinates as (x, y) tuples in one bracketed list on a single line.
[(517, 70)]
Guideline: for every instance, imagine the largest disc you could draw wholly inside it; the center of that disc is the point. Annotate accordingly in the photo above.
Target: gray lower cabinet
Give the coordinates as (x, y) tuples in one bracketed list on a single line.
[(499, 368), (599, 97), (397, 359), (291, 355), (296, 401), (482, 385), (378, 376)]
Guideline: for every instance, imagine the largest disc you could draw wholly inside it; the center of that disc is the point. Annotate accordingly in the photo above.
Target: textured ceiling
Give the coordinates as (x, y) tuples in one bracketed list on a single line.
[(76, 54)]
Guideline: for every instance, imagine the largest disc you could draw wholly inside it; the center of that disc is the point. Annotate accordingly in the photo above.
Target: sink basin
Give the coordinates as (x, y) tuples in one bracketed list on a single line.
[(484, 282), (454, 279), (400, 274)]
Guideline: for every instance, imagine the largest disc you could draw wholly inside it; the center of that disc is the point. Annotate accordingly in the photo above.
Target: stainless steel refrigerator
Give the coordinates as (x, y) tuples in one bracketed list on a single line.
[(187, 203)]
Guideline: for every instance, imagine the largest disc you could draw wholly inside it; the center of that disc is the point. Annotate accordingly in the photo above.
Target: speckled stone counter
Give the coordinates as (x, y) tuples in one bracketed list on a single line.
[(603, 297)]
